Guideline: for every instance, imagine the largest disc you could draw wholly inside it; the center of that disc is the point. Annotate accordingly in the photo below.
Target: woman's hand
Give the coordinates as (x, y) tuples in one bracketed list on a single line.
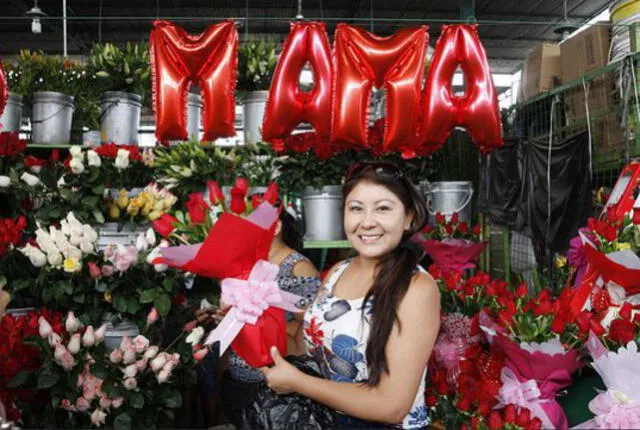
[(282, 376)]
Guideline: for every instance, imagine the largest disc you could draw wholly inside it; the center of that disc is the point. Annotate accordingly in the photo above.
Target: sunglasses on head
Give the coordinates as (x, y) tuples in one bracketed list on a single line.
[(380, 168)]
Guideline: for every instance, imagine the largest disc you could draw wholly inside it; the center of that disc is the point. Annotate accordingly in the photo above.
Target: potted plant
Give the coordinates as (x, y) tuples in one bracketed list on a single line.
[(19, 79), (124, 79), (54, 80), (317, 181), (258, 164), (256, 64)]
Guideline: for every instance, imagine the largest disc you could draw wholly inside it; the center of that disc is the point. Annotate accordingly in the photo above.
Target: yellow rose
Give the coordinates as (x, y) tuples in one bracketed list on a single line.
[(71, 265), (623, 246), (155, 215), (107, 296), (159, 205), (561, 261), (123, 199), (133, 210), (147, 208), (114, 212)]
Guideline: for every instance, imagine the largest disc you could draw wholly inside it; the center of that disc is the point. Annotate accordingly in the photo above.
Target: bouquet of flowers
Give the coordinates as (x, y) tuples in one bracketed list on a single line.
[(149, 205), (452, 244), (540, 337)]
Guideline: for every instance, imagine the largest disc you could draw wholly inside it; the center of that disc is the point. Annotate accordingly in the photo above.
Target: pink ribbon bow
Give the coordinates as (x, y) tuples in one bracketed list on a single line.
[(248, 300), (524, 394), (611, 413)]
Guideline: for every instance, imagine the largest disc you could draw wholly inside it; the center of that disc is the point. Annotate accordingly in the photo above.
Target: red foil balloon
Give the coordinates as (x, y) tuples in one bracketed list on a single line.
[(363, 60), (477, 110), (4, 90), (287, 105), (208, 60)]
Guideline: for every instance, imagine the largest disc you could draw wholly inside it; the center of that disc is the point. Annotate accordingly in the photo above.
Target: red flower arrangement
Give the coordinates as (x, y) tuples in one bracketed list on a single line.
[(11, 144), (110, 150)]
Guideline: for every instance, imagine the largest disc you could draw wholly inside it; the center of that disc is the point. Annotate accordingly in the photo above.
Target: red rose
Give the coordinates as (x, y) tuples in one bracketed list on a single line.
[(510, 414), (463, 228), (30, 161), (545, 294), (256, 200), (636, 216), (427, 229), (622, 331), (215, 193), (505, 318), (495, 421), (557, 326), (455, 218), (272, 194), (596, 327), (242, 184), (523, 417), (238, 204), (164, 225), (464, 404), (583, 321), (522, 290), (448, 229), (610, 233), (476, 230), (535, 424), (197, 208), (440, 218), (611, 217), (431, 400), (625, 311)]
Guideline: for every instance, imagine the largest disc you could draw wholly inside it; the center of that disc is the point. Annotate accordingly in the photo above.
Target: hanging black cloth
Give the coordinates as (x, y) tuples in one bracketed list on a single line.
[(555, 216)]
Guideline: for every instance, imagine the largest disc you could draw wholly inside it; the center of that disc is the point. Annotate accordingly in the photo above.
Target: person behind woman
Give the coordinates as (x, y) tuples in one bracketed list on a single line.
[(297, 275), (372, 326)]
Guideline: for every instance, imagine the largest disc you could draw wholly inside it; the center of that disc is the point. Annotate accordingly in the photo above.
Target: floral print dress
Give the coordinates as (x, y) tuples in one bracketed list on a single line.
[(336, 334)]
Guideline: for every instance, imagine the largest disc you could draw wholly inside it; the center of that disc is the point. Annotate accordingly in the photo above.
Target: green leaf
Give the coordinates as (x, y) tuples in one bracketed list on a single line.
[(99, 371), (79, 298), (163, 304), (168, 284), (20, 379), (91, 201), (148, 296), (173, 399), (48, 178), (133, 306), (99, 190), (47, 379), (120, 303), (136, 400), (122, 422)]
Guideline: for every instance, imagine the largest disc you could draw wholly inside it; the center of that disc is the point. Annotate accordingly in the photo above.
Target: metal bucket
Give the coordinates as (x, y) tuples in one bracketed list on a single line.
[(51, 117), (194, 116), (253, 112), (114, 334), (448, 198), (12, 115), (323, 213), (120, 117)]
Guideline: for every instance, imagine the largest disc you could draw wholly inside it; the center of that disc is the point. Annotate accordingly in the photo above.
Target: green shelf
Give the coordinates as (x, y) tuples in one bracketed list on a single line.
[(46, 146), (326, 244)]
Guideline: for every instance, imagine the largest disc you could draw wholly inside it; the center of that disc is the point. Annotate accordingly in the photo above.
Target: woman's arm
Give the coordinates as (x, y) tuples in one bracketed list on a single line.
[(302, 269), (407, 351)]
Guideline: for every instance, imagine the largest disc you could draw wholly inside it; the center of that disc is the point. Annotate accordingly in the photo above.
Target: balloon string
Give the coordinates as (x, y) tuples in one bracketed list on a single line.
[(548, 222), (586, 108)]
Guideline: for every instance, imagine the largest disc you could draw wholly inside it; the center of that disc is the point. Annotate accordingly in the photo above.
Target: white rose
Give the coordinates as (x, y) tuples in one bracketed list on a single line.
[(88, 233), (141, 243), (93, 159), (195, 336), (74, 239), (30, 179), (55, 259), (37, 257), (61, 182), (151, 237), (86, 247), (76, 152), (76, 166), (5, 181), (122, 159), (64, 227)]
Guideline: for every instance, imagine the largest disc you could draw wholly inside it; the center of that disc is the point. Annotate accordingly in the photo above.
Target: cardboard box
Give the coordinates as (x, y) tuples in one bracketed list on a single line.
[(584, 52), (601, 98), (541, 70), (608, 143)]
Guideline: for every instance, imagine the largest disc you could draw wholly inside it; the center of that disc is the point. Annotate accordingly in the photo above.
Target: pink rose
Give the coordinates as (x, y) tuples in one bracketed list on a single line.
[(117, 402), (116, 356), (54, 339), (72, 324), (153, 316), (130, 371), (163, 376), (82, 404), (140, 343), (107, 270), (105, 402), (74, 344), (125, 343), (66, 405), (67, 362), (129, 356), (94, 270), (92, 386), (89, 337), (151, 352), (141, 364), (158, 362), (100, 333), (80, 381), (130, 384), (44, 328), (98, 418), (200, 354), (59, 352)]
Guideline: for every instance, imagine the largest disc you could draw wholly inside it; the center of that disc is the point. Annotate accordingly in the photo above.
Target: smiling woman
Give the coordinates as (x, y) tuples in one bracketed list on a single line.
[(372, 325)]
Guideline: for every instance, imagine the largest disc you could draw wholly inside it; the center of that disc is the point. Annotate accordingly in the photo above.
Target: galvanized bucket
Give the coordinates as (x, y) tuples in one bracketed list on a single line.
[(12, 115), (114, 334), (448, 198), (323, 213), (194, 116), (51, 117), (120, 117), (253, 112)]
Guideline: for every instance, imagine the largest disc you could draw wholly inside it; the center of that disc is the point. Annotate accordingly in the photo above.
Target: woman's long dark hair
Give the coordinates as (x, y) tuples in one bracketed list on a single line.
[(394, 270), (290, 234)]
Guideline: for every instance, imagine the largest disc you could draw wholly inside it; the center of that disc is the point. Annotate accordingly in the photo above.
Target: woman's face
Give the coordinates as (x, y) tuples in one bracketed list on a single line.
[(374, 219)]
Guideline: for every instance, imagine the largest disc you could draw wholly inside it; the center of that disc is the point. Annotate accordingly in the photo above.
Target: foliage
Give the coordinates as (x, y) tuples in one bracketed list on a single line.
[(301, 169), (256, 64), (50, 72), (257, 163), (19, 77), (117, 69)]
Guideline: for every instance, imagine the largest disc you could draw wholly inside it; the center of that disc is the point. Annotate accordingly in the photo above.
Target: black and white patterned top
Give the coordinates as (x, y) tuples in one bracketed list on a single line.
[(305, 287)]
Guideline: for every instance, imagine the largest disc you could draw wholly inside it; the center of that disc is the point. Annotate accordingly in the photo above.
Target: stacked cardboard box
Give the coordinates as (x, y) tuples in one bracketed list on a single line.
[(541, 71)]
